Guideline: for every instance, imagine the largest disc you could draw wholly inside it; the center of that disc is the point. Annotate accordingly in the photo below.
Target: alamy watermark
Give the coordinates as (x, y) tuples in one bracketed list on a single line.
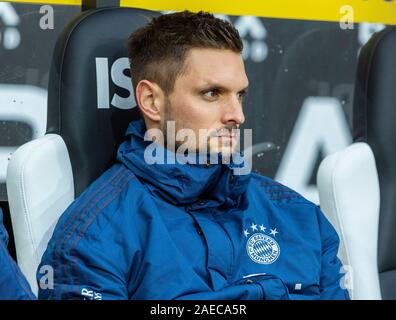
[(47, 20), (46, 280), (346, 281), (186, 146)]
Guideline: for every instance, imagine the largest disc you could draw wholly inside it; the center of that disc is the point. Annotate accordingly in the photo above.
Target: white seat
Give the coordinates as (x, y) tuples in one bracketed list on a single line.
[(350, 197), (40, 188)]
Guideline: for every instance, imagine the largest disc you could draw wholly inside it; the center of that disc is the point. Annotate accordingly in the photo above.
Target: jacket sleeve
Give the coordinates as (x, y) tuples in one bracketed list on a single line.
[(84, 269), (332, 276), (13, 284)]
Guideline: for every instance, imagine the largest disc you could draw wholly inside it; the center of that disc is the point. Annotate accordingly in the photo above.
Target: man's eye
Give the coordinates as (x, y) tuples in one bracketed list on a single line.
[(211, 94), (241, 95)]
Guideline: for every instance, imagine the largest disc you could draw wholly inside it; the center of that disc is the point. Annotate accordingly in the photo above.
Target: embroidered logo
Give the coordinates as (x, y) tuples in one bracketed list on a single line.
[(260, 247)]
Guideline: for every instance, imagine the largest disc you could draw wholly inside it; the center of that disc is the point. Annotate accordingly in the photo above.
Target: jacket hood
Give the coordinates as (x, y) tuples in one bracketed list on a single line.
[(191, 183)]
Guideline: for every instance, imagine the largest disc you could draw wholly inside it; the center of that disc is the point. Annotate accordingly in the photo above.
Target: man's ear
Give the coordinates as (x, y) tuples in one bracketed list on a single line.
[(149, 97)]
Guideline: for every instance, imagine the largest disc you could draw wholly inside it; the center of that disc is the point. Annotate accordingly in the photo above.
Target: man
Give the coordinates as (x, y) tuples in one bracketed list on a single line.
[(172, 230)]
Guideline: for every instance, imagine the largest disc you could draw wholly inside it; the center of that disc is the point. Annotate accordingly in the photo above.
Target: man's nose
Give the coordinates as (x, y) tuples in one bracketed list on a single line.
[(233, 112)]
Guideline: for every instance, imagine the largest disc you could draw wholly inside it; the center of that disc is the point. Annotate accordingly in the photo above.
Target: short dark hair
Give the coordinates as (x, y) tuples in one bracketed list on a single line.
[(157, 51)]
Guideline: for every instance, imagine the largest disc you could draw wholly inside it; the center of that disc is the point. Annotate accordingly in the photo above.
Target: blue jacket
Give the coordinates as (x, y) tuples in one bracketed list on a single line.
[(13, 284), (174, 231)]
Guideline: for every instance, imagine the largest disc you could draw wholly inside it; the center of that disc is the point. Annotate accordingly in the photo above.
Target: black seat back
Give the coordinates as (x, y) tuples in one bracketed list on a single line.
[(375, 123), (90, 95)]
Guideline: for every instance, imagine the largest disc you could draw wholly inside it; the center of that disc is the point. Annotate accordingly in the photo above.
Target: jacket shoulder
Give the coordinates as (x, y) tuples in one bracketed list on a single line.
[(276, 191), (104, 202)]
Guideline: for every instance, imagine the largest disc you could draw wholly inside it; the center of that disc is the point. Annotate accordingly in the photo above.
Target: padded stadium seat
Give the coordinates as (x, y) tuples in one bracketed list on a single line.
[(347, 180), (90, 104), (349, 196), (374, 123)]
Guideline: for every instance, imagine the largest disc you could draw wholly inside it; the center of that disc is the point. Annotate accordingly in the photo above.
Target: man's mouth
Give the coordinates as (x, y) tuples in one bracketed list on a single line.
[(226, 133), (227, 139), (227, 136)]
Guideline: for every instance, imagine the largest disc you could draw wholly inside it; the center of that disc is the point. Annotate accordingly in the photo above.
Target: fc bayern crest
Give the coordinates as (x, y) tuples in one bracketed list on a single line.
[(262, 248)]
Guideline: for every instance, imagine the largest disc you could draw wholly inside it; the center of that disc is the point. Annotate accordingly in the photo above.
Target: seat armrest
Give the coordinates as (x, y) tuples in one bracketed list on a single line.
[(39, 188), (350, 197)]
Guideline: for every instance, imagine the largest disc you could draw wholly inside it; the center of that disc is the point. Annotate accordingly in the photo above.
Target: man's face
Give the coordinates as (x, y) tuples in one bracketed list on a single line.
[(208, 95)]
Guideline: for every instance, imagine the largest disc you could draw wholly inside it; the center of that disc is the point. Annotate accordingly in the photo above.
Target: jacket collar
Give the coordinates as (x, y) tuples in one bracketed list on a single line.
[(196, 185)]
